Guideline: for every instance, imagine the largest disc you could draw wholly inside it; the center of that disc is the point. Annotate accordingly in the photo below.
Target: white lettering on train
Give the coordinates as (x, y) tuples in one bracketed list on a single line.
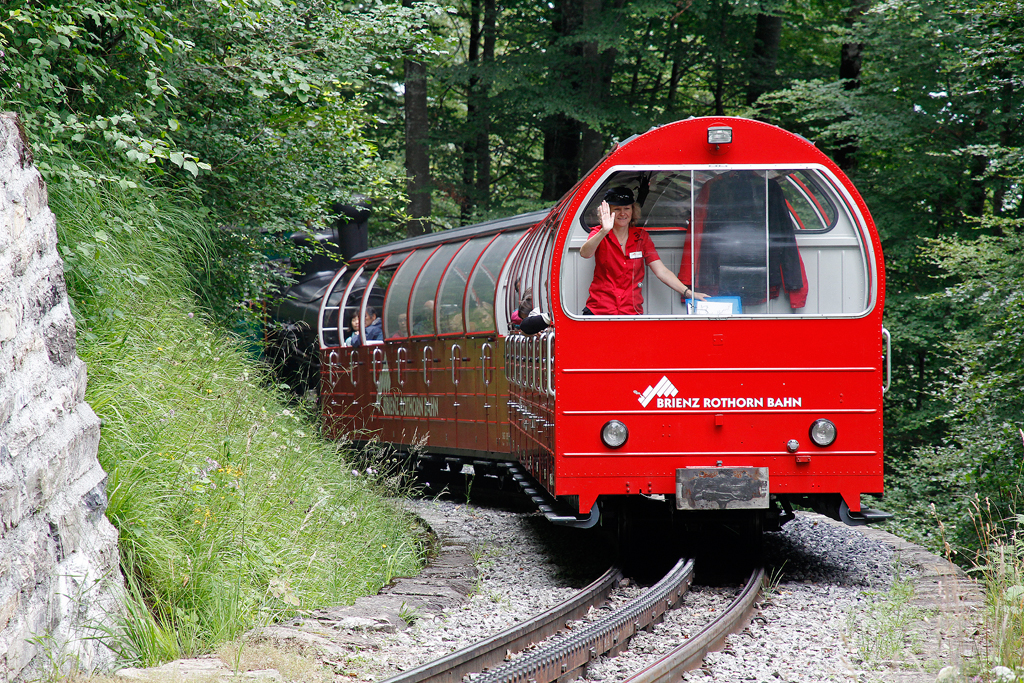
[(678, 402), (787, 402), (741, 402), (663, 394), (408, 406)]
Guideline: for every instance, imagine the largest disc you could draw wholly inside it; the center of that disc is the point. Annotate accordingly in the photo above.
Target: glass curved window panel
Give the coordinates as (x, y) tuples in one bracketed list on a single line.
[(396, 305), (376, 297), (542, 278), (809, 204), (453, 286), (483, 282), (663, 196), (424, 292), (732, 214), (329, 322), (761, 241), (525, 271)]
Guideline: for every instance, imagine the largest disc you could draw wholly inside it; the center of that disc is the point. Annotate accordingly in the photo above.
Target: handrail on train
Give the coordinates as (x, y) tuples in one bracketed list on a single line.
[(550, 364), (888, 360)]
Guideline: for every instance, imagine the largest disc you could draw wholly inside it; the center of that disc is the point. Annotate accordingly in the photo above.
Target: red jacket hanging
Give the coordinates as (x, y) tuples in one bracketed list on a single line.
[(728, 202)]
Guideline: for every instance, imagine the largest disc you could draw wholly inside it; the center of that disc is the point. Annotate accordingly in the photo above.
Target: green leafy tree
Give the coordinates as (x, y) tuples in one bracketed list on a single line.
[(566, 79), (254, 105), (272, 96), (87, 76), (906, 130), (933, 129), (983, 385), (983, 377)]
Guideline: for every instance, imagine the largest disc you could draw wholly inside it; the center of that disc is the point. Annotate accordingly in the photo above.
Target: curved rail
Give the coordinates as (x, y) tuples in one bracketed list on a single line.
[(561, 658), (690, 654), (492, 651)]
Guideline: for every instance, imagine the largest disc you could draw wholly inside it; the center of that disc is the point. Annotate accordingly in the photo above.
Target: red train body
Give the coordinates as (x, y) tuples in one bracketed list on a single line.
[(771, 393)]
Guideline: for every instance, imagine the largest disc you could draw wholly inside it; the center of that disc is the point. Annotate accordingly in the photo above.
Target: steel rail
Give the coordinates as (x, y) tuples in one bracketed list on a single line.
[(563, 657), (492, 651), (690, 654)]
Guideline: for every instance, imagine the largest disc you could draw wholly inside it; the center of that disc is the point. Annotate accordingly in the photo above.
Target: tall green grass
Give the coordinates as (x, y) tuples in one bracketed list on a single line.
[(999, 566), (232, 511)]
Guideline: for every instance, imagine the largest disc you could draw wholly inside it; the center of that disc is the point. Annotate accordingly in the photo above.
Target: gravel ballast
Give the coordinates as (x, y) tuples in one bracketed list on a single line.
[(824, 576), (826, 616)]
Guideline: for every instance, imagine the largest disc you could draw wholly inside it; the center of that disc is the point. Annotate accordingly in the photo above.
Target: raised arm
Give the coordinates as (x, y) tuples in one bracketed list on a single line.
[(604, 214), (662, 272)]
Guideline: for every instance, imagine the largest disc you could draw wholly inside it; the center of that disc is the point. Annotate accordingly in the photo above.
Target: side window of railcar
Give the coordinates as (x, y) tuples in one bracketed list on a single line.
[(396, 306), (480, 315), (743, 246), (382, 280), (329, 323), (808, 203), (542, 271), (527, 269), (756, 241), (350, 304), (664, 198), (424, 294), (452, 293)]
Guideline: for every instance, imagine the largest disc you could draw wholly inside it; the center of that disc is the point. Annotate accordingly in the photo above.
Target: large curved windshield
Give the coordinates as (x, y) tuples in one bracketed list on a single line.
[(754, 241)]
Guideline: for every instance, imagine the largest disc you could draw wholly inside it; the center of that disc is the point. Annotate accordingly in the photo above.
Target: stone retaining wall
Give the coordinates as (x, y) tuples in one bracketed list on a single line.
[(58, 553)]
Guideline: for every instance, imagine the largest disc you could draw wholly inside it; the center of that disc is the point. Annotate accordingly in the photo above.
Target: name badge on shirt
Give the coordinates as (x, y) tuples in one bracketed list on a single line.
[(636, 254)]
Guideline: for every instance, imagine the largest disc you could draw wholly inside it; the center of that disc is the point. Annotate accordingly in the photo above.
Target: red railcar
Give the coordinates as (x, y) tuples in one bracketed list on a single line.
[(769, 393)]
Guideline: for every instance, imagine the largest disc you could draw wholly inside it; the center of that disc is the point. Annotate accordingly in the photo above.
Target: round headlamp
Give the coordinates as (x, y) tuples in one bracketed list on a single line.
[(823, 432), (614, 434)]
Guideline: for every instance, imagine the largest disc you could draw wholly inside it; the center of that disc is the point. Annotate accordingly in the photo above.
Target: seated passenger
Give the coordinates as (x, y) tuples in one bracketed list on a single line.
[(403, 327), (373, 329), (525, 306), (623, 251), (350, 340), (423, 320), (529, 318), (481, 318)]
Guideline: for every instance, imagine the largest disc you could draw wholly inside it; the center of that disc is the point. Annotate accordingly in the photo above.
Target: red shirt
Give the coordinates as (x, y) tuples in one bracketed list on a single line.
[(615, 289)]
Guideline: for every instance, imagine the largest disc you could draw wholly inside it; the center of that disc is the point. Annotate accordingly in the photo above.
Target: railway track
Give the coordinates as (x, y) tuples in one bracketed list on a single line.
[(562, 659)]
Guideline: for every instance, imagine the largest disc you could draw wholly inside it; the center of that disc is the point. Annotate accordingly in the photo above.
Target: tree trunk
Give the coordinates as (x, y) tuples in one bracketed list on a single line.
[(850, 53), (417, 151), (483, 142), (673, 86), (561, 156), (720, 57), (635, 83), (585, 77), (765, 56), (562, 133), (849, 71), (974, 196), (469, 143)]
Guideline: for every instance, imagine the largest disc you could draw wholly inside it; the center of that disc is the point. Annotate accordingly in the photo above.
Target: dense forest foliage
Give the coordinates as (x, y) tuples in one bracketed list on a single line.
[(442, 113), (176, 142)]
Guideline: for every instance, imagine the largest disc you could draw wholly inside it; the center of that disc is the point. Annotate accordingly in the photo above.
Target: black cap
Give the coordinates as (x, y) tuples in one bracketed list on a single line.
[(619, 196)]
